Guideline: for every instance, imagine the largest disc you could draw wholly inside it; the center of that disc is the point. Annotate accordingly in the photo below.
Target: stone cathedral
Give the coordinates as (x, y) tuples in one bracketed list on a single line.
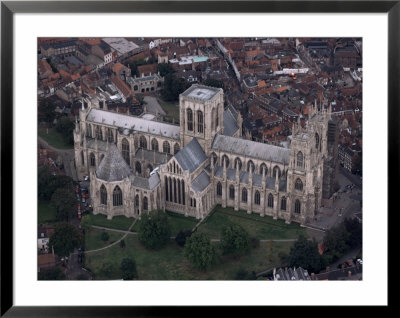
[(137, 165)]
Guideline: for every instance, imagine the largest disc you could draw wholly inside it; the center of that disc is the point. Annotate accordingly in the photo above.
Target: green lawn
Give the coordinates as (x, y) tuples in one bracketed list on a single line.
[(117, 222), (53, 138), (46, 213), (172, 110), (170, 264), (260, 227), (176, 221), (93, 240)]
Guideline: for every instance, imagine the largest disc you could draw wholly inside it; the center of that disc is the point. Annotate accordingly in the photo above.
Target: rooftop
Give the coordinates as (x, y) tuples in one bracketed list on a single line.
[(113, 167), (201, 92), (191, 156)]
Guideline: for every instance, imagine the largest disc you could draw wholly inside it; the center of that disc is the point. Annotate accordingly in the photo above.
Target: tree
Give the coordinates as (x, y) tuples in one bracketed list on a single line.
[(64, 201), (104, 236), (199, 251), (213, 82), (154, 230), (128, 268), (122, 244), (46, 111), (65, 126), (165, 68), (336, 240), (173, 86), (235, 240), (48, 183), (354, 228), (243, 274), (182, 236), (51, 274), (304, 253), (65, 239)]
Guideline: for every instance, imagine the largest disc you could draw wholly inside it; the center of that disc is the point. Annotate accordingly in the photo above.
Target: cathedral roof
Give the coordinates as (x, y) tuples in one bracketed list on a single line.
[(230, 125), (250, 148), (200, 182), (113, 167), (191, 156), (146, 183), (201, 92)]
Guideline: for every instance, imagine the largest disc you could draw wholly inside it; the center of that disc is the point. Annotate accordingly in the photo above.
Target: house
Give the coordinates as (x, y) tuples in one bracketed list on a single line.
[(44, 234)]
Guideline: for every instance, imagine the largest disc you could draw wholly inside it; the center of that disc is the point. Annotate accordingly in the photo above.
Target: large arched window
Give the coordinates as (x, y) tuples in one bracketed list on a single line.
[(232, 192), (257, 197), (99, 133), (263, 167), (200, 121), (145, 204), (270, 200), (299, 160), (138, 167), (83, 158), (92, 159), (103, 195), (166, 147), (250, 165), (189, 115), (117, 196), (276, 171), (183, 192), (226, 160), (137, 200), (216, 119), (143, 142), (316, 141), (238, 162), (298, 185), (89, 130), (110, 135), (125, 151), (297, 207), (219, 189), (244, 195), (154, 144), (166, 189), (283, 204), (176, 148), (214, 158)]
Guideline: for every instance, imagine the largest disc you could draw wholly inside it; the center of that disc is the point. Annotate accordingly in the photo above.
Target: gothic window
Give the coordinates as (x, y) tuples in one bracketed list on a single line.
[(298, 185), (263, 166), (297, 207), (257, 197), (232, 192), (194, 202), (226, 160), (316, 141), (214, 157), (216, 119), (276, 171), (219, 189), (166, 147), (176, 148), (270, 200), (92, 159), (125, 151), (299, 160), (250, 165), (110, 135), (200, 121), (143, 142), (183, 192), (154, 144), (83, 158), (189, 119), (99, 133), (166, 189), (138, 167), (117, 196), (103, 195), (244, 195), (145, 204), (212, 118), (89, 130), (174, 190), (137, 200), (238, 162), (283, 204), (149, 169)]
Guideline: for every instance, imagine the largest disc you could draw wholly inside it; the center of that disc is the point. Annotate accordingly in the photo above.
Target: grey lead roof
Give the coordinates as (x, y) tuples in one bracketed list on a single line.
[(230, 125), (200, 182), (135, 123), (146, 183), (113, 167), (250, 148), (201, 92), (191, 156)]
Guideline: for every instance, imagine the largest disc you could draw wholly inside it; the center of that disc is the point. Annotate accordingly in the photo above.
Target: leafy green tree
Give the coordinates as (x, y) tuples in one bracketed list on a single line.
[(199, 251), (336, 239), (235, 240), (165, 69), (64, 201), (122, 244), (304, 253), (65, 239), (213, 82), (104, 236), (182, 236), (243, 274), (65, 126), (354, 228), (173, 86), (46, 111), (47, 183), (128, 268), (154, 229), (51, 274)]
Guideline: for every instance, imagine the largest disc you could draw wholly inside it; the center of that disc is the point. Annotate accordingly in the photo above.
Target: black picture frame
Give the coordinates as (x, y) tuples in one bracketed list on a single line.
[(8, 8)]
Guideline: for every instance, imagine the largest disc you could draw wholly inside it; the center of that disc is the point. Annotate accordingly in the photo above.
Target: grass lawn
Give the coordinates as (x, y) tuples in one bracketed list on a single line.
[(172, 110), (46, 213), (117, 222), (260, 227), (93, 239), (170, 264), (54, 138), (176, 221)]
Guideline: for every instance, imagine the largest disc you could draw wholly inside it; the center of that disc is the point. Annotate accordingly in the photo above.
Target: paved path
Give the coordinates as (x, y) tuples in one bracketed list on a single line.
[(153, 106)]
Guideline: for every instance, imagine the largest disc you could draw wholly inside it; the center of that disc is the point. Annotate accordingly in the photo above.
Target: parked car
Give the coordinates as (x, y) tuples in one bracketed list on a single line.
[(359, 261)]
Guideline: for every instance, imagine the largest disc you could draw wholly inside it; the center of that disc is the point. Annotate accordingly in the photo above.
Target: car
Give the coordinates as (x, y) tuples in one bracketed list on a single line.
[(79, 215), (86, 178), (349, 262), (359, 261), (83, 199)]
